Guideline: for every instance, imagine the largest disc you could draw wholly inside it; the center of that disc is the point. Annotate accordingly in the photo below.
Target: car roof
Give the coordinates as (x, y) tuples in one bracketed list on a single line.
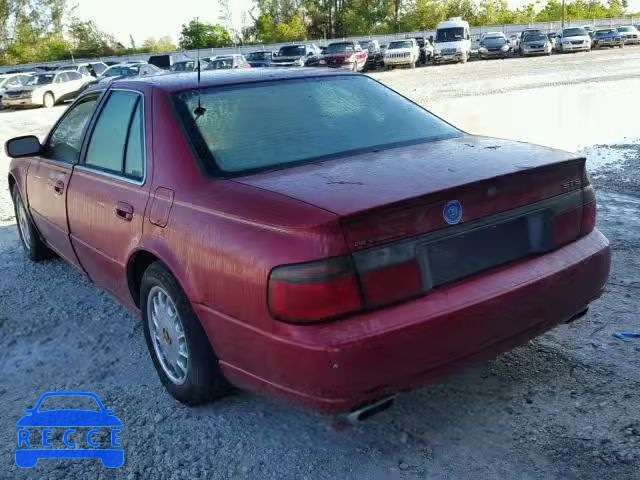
[(189, 80)]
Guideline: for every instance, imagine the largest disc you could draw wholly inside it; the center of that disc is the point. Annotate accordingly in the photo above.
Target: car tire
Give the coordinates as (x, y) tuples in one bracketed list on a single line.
[(33, 245), (204, 381), (48, 100)]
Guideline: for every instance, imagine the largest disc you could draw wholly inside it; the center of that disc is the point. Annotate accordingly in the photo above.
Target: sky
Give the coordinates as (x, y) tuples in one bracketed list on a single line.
[(150, 18), (153, 18)]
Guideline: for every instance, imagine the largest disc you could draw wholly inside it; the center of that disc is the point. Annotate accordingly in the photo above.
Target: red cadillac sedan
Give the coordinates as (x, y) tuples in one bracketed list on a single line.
[(311, 235)]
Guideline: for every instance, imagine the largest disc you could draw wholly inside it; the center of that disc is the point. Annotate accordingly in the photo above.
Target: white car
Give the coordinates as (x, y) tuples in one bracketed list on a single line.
[(630, 34), (401, 52), (12, 80), (46, 89), (573, 40)]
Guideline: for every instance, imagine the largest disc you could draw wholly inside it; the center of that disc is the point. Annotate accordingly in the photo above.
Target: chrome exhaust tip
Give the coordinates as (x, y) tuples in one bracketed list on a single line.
[(362, 413)]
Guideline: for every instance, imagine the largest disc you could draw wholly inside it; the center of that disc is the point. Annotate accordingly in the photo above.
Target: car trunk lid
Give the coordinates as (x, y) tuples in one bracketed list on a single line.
[(416, 218)]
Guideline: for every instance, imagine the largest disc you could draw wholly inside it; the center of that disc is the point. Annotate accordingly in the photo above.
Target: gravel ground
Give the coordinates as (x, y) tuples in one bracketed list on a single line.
[(564, 406)]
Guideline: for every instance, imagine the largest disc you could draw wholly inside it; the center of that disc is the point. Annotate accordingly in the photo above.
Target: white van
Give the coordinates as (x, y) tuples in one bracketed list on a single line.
[(452, 42)]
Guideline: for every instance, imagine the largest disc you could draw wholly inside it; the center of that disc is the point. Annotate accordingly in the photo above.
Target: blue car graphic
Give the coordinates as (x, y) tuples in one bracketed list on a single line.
[(43, 422)]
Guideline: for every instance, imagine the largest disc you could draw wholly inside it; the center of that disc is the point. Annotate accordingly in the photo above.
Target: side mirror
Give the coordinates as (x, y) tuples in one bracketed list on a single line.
[(26, 146)]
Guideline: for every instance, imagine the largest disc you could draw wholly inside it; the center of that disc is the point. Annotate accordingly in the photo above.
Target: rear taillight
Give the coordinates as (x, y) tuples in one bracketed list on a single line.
[(566, 227), (588, 218), (389, 274), (315, 291), (578, 222)]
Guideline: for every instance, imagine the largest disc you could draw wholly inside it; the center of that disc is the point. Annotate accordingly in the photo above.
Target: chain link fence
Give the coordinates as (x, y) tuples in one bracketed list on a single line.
[(546, 27)]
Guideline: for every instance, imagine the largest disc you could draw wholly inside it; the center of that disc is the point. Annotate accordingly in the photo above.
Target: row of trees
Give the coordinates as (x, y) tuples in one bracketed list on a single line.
[(45, 30), (286, 20)]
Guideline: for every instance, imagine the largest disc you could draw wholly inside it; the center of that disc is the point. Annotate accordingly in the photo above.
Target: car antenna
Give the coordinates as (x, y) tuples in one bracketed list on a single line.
[(199, 110)]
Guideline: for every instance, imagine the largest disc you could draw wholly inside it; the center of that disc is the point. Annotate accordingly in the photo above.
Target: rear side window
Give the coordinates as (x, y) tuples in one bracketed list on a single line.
[(116, 142), (308, 119)]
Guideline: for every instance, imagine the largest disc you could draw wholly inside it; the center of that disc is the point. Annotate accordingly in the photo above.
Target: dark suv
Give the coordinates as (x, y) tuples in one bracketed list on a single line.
[(300, 55), (375, 60)]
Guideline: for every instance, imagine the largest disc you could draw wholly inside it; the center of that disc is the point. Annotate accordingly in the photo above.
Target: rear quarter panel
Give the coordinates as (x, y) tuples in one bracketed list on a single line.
[(223, 238)]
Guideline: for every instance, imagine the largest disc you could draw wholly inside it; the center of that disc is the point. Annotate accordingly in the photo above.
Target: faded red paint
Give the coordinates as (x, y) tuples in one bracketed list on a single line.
[(221, 239)]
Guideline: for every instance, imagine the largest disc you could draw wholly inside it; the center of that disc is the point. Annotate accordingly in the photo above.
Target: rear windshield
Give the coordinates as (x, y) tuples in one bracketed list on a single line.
[(340, 47), (258, 56), (495, 41), (292, 51), (124, 71), (268, 125), (574, 32), (400, 44)]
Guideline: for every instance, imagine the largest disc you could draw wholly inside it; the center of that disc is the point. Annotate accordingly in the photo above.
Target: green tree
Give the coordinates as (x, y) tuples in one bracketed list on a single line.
[(204, 35), (162, 44)]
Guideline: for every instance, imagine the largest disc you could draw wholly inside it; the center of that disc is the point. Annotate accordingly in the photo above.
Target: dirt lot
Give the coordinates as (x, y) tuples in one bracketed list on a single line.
[(564, 406)]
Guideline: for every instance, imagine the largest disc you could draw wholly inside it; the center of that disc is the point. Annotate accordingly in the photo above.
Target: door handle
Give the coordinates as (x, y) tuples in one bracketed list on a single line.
[(58, 187), (124, 211)]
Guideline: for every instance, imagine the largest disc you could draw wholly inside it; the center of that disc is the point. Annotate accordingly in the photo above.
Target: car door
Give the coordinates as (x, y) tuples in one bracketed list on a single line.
[(58, 86), (75, 83), (107, 195), (48, 177)]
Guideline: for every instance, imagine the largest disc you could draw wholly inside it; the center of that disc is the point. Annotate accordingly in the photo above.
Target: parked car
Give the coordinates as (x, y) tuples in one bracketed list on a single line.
[(529, 31), (13, 80), (188, 66), (347, 54), (494, 47), (300, 55), (573, 40), (164, 61), (128, 70), (630, 34), (402, 53), (228, 62), (46, 89), (608, 37), (514, 41), (260, 59), (453, 41), (375, 58), (351, 294), (91, 69), (426, 50), (536, 45), (491, 35)]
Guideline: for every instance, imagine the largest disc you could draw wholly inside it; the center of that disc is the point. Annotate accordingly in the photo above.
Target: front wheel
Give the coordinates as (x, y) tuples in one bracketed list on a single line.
[(177, 343), (33, 245)]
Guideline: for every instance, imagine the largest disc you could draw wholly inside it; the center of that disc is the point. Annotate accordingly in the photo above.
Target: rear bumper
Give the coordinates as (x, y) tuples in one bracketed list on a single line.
[(337, 366)]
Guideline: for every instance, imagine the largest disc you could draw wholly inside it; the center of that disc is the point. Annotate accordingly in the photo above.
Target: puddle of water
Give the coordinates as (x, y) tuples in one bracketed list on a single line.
[(569, 117)]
